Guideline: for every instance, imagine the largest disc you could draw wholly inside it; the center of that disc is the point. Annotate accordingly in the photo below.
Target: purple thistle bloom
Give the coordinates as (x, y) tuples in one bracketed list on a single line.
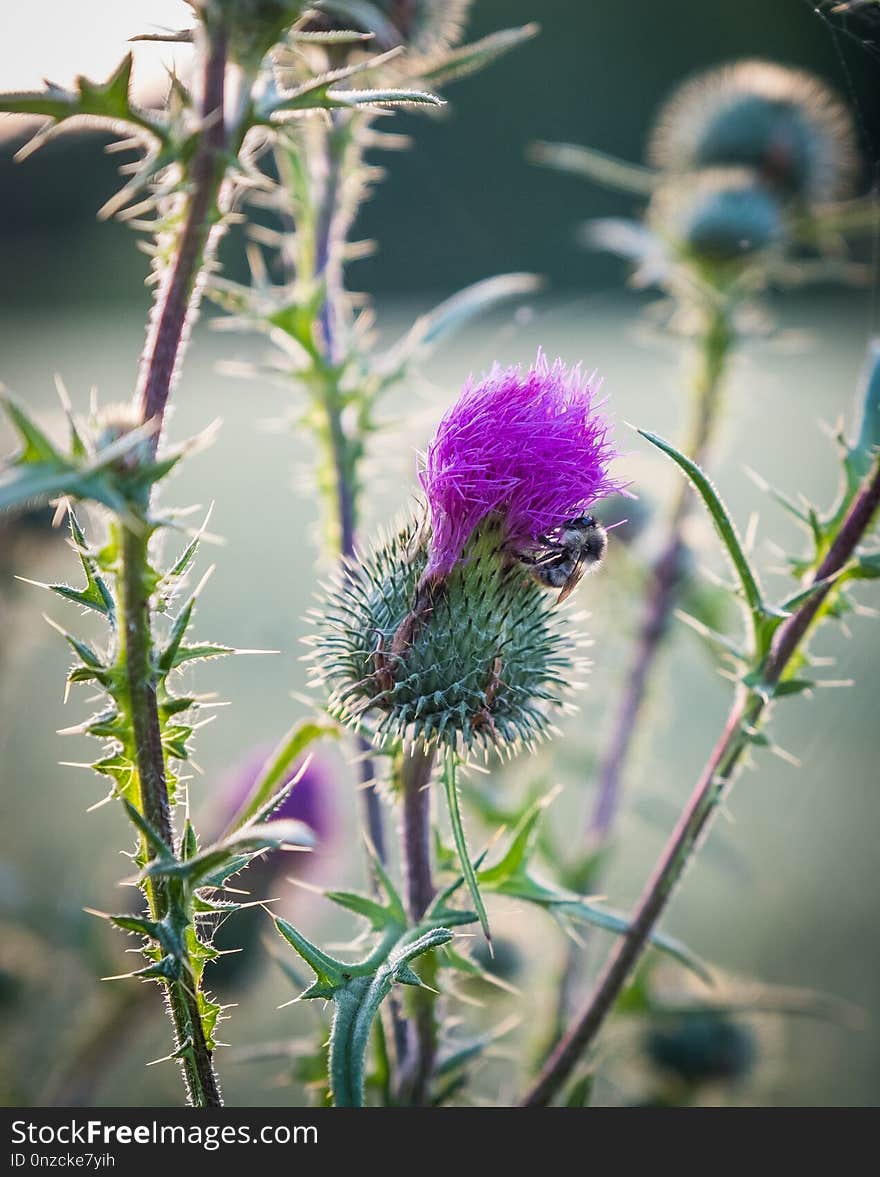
[(529, 448)]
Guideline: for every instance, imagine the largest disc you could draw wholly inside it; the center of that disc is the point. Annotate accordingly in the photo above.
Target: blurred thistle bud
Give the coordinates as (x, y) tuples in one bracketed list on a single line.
[(719, 217), (252, 27), (112, 423), (426, 27), (446, 631), (786, 125), (702, 1047)]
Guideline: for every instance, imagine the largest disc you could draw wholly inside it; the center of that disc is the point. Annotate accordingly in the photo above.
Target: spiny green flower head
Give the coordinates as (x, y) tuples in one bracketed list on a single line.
[(443, 632), (252, 26), (425, 26), (718, 217), (785, 124)]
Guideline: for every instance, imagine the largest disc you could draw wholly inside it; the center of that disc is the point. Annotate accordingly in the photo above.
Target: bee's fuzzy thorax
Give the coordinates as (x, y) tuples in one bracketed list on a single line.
[(529, 448)]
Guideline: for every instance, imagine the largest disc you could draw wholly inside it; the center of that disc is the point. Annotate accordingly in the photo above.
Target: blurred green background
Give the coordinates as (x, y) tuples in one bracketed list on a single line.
[(785, 891)]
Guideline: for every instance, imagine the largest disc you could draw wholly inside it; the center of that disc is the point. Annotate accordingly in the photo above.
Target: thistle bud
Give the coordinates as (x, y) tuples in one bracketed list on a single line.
[(717, 217), (115, 421), (786, 125), (252, 26), (702, 1047), (446, 631)]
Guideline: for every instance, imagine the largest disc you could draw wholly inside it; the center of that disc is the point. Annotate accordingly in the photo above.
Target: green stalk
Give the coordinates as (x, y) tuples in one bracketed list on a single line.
[(322, 260), (414, 767), (715, 781), (136, 654), (715, 346), (170, 324)]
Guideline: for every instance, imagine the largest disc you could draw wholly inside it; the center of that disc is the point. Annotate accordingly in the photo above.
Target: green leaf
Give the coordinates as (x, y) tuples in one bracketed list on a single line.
[(356, 1004), (470, 59), (273, 835), (450, 786), (269, 789), (720, 517), (596, 165), (454, 313), (863, 452), (581, 1091), (107, 102)]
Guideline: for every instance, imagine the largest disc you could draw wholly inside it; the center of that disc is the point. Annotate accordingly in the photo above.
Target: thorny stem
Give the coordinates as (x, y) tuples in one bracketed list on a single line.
[(715, 346), (177, 301), (714, 782), (414, 778), (175, 307), (137, 653)]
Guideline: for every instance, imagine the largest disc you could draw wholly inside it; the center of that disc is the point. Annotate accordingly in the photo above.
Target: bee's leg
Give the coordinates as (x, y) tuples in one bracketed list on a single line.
[(483, 717), (382, 674), (422, 609)]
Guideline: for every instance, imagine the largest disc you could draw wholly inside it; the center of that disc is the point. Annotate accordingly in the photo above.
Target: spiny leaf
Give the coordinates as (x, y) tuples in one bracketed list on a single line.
[(453, 313), (469, 59), (596, 165), (107, 102), (720, 517), (356, 1004), (273, 835)]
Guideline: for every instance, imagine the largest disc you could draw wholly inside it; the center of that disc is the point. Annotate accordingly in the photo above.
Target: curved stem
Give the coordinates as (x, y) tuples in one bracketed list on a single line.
[(715, 780), (715, 346)]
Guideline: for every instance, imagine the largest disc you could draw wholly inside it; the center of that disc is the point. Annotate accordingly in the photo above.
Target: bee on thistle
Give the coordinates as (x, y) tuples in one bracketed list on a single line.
[(446, 630), (577, 547)]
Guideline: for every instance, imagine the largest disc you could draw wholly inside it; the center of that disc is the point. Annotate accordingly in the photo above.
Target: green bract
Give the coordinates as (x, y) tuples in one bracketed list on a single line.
[(486, 667)]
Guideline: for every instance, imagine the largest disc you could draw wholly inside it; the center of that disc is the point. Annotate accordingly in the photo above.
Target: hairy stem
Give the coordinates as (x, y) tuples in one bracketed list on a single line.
[(716, 343), (415, 770), (331, 227), (179, 292), (171, 321), (137, 654), (714, 782)]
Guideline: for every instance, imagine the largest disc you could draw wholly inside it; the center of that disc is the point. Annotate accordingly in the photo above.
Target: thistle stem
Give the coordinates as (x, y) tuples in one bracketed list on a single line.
[(171, 321), (715, 780), (176, 305), (415, 768), (716, 342), (137, 655), (331, 229)]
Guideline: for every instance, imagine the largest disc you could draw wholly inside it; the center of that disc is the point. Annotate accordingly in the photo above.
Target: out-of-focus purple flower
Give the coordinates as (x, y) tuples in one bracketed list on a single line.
[(528, 448), (307, 801)]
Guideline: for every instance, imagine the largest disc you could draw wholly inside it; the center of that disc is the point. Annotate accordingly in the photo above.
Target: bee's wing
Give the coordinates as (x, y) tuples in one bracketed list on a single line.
[(572, 582), (548, 560)]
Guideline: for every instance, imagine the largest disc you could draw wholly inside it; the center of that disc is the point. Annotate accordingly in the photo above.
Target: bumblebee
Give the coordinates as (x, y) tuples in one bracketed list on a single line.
[(562, 558)]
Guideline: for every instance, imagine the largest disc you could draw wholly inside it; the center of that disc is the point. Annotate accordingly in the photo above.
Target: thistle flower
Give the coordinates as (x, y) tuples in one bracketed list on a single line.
[(426, 26), (529, 449), (442, 633), (701, 1047), (308, 801), (785, 124), (717, 217)]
